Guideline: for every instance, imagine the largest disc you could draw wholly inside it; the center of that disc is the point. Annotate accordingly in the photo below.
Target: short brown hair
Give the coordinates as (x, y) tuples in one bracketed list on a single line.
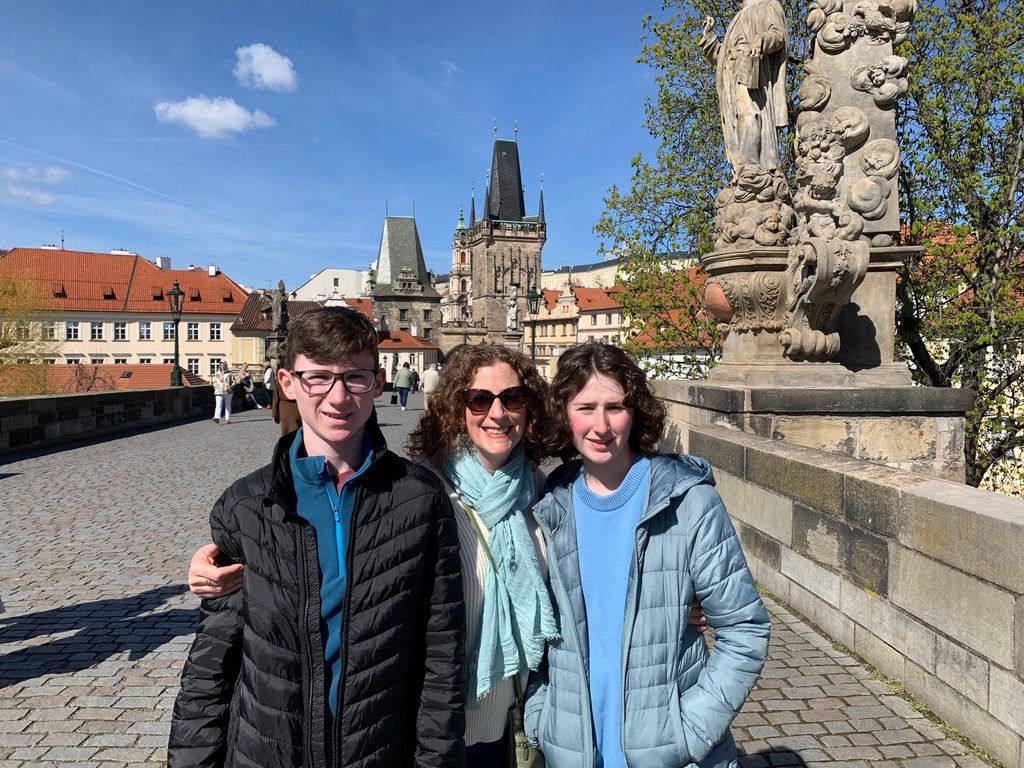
[(575, 367), (445, 423), (330, 334)]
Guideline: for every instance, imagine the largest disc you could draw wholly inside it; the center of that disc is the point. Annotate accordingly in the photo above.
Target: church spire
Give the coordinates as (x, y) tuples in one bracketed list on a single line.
[(472, 205), (540, 206)]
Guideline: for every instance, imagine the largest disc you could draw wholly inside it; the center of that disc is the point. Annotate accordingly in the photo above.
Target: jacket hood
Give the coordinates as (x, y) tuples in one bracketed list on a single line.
[(672, 475)]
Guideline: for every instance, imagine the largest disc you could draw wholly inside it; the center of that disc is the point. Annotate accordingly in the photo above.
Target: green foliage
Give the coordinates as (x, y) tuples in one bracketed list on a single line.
[(961, 314), (960, 319), (22, 336)]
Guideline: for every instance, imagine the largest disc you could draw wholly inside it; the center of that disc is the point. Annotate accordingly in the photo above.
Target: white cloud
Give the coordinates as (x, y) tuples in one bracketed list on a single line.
[(450, 68), (33, 196), (215, 118), (52, 175), (260, 66)]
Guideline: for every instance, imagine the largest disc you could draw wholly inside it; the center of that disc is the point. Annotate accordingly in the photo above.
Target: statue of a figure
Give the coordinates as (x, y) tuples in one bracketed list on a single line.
[(279, 312), (751, 82), (512, 312)]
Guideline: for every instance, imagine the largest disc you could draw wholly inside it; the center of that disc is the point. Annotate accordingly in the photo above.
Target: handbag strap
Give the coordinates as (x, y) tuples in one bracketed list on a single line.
[(478, 530)]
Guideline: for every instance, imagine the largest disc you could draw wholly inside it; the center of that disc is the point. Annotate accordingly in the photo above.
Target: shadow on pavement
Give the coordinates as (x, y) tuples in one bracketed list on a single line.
[(770, 758), (91, 632)]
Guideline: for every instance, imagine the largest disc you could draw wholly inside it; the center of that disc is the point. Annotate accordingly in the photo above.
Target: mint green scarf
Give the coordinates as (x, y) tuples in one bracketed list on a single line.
[(517, 616)]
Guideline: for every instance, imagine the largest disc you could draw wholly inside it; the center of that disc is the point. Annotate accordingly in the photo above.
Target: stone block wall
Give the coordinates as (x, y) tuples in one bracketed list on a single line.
[(37, 422), (923, 578)]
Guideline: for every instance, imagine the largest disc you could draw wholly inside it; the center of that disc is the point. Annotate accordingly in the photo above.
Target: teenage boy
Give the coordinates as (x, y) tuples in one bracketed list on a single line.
[(345, 645)]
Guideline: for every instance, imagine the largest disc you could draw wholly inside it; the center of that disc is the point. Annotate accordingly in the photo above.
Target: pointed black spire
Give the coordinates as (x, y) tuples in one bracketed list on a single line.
[(505, 192), (472, 205), (540, 206)]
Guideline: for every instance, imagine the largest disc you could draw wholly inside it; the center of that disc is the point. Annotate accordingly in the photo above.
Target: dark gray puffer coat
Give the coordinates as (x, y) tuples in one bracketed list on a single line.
[(252, 691)]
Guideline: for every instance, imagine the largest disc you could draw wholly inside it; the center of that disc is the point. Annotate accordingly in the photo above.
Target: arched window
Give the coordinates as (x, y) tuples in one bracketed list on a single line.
[(463, 285), (462, 257)]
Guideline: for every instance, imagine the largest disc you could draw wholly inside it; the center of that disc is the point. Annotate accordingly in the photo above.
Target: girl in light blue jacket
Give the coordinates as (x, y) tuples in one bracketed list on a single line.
[(632, 537)]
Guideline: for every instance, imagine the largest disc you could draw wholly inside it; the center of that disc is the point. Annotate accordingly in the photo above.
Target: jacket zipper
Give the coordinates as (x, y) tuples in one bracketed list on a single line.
[(628, 644), (304, 639), (345, 606), (588, 743)]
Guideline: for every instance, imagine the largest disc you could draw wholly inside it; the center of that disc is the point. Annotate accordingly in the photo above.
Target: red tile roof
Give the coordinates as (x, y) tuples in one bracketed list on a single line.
[(550, 298), (96, 378), (388, 340), (596, 298), (116, 282)]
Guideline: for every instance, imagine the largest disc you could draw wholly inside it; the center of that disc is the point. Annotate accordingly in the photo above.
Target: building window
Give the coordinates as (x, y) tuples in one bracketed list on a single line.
[(593, 319), (608, 319), (168, 360), (145, 330), (50, 331), (120, 361), (214, 333), (425, 334), (403, 314), (192, 331), (335, 282), (462, 257), (21, 331), (71, 330), (168, 330), (214, 362), (73, 361), (463, 285), (426, 314), (97, 360), (96, 331), (145, 360), (49, 361), (120, 331), (192, 364)]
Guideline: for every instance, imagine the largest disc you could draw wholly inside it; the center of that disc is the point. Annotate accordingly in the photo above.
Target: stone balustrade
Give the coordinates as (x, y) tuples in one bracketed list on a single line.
[(44, 420)]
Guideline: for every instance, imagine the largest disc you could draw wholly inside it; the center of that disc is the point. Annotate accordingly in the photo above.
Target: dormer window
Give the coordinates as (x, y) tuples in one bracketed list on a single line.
[(58, 291), (108, 292), (157, 292)]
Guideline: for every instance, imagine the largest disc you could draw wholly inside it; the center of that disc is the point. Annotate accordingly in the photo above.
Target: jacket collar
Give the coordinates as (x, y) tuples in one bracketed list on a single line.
[(282, 488), (672, 475)]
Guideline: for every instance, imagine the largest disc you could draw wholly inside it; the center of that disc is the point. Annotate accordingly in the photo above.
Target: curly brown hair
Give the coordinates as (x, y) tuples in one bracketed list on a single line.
[(575, 367), (444, 425)]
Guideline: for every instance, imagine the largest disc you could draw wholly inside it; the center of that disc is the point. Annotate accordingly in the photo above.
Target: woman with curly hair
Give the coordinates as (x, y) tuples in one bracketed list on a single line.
[(633, 536), (483, 436)]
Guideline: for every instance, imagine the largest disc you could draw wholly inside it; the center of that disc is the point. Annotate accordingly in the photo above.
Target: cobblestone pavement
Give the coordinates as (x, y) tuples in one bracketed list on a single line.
[(94, 545)]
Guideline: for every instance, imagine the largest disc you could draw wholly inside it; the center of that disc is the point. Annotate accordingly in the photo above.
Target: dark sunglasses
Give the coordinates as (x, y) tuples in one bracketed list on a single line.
[(480, 400)]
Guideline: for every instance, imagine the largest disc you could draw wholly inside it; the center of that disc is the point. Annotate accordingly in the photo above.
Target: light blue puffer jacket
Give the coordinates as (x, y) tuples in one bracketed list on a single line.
[(679, 699)]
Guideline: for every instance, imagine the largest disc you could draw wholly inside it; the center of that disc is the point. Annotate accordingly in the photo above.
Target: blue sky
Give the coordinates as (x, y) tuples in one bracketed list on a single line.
[(264, 137)]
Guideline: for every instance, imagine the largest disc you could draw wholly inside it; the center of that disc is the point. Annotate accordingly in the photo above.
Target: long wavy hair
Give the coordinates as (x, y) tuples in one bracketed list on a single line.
[(575, 367), (444, 425)]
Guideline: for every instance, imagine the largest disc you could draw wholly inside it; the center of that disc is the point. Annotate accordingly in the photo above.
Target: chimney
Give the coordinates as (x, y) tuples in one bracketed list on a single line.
[(163, 262), (213, 270)]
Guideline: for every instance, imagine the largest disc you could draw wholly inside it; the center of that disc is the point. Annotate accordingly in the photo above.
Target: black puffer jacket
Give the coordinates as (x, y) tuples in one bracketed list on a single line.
[(252, 691)]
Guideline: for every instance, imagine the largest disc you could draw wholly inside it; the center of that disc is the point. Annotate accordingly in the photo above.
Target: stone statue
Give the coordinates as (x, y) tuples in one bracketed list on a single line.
[(279, 313), (512, 313), (751, 82)]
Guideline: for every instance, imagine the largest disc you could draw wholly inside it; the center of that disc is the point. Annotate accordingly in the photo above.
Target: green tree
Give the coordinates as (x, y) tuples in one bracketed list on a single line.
[(960, 318), (24, 337)]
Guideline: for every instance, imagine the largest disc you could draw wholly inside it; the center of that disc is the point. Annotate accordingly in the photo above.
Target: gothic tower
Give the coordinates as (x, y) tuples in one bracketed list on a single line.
[(500, 251)]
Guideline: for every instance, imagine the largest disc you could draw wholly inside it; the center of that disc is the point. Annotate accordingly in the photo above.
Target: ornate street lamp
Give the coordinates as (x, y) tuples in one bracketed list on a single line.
[(533, 305), (175, 297)]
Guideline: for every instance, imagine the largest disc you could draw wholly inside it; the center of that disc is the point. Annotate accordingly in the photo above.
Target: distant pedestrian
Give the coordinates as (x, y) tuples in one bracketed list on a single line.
[(403, 381), (415, 380), (223, 382), (430, 377), (245, 382), (268, 377)]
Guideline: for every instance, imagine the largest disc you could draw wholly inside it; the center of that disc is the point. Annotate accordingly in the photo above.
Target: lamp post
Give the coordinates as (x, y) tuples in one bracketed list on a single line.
[(533, 305), (175, 297)]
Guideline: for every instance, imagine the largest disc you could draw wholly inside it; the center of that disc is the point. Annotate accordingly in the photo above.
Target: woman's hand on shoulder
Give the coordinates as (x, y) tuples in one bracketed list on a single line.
[(206, 579)]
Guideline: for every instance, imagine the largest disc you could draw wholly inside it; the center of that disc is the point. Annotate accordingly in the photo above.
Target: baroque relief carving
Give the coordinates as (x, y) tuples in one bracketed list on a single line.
[(754, 299)]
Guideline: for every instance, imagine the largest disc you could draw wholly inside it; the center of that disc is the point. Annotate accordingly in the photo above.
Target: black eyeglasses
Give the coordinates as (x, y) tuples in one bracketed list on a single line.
[(480, 400), (356, 382)]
